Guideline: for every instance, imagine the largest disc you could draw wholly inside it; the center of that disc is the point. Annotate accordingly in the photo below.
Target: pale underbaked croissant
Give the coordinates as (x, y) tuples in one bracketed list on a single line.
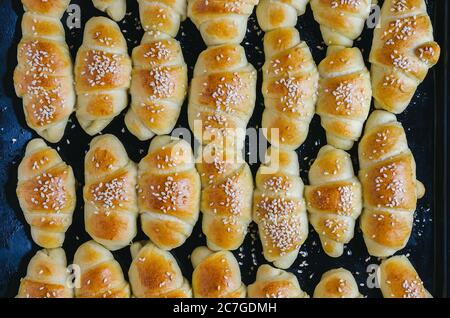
[(290, 81), (402, 52), (221, 21), (275, 283), (47, 276), (344, 95), (110, 203), (158, 86), (226, 200), (390, 187), (162, 16), (273, 14), (154, 273), (216, 274), (279, 207), (337, 283), (334, 199), (46, 192), (101, 275), (102, 75), (222, 94), (168, 192), (116, 9), (341, 21), (43, 76), (399, 279)]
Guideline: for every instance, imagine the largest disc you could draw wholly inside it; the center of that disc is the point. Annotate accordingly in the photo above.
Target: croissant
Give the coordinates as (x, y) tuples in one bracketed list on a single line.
[(168, 192), (47, 276), (290, 81), (154, 273), (116, 9), (390, 187), (337, 283), (162, 16), (43, 76), (221, 21), (158, 86), (101, 275), (274, 14), (399, 279), (222, 94), (334, 199), (102, 75), (46, 192), (402, 52), (341, 21), (275, 283), (279, 207), (216, 274), (110, 203), (344, 96), (226, 201)]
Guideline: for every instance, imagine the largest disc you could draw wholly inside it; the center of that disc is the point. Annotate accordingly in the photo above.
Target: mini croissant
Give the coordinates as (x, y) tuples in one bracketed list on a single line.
[(337, 283), (116, 9), (101, 274), (43, 77), (216, 274), (390, 187), (403, 50), (46, 192), (47, 276)]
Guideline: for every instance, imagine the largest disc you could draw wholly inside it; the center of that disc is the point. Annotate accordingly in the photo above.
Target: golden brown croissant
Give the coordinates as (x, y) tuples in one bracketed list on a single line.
[(403, 50), (274, 14), (43, 76), (279, 208), (168, 192), (344, 95), (101, 274), (162, 16), (216, 274), (334, 199), (47, 276), (390, 187), (110, 203), (275, 283), (102, 74), (337, 283), (154, 273), (46, 192), (116, 9)]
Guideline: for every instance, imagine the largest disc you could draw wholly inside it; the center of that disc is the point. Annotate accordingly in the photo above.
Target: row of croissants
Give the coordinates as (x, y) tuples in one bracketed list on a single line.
[(169, 187)]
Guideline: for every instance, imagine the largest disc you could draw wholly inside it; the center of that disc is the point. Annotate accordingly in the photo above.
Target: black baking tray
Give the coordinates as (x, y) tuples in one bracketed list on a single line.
[(424, 121)]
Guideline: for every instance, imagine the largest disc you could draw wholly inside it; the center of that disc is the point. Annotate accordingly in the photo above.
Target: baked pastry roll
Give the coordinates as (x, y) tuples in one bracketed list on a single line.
[(101, 274), (47, 276), (399, 279), (390, 187), (403, 50), (102, 75), (334, 199), (337, 283), (290, 81), (168, 192), (158, 86), (344, 96), (46, 192), (116, 9), (275, 283), (226, 200), (43, 77), (274, 14), (216, 274), (222, 94), (221, 21), (279, 208), (162, 16), (110, 203), (341, 21), (154, 273)]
